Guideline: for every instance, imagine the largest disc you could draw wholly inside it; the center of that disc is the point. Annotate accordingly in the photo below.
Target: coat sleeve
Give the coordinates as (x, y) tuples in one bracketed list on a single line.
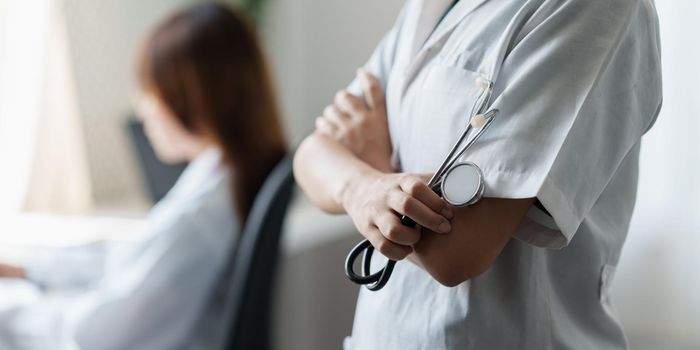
[(575, 93), (68, 268)]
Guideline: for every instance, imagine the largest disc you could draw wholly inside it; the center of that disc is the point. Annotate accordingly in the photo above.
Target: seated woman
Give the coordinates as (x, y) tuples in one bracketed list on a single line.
[(206, 98)]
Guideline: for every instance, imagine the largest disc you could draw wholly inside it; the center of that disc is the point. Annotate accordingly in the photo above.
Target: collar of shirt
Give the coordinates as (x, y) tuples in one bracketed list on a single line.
[(205, 168)]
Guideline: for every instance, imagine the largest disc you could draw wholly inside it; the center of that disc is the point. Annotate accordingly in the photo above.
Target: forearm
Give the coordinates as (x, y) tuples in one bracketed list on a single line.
[(479, 234), (324, 169), (12, 271)]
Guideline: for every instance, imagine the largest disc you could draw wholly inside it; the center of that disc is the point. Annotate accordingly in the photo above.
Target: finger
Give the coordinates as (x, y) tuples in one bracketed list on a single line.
[(326, 127), (372, 88), (416, 187), (404, 204), (350, 104), (386, 247), (336, 116), (391, 228), (425, 177)]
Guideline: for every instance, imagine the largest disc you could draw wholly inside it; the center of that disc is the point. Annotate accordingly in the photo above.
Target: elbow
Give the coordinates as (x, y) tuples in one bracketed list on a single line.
[(299, 163), (304, 176), (453, 274), (300, 159), (456, 277)]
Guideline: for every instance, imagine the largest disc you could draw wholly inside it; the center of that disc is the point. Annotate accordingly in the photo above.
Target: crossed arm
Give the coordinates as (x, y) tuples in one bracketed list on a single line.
[(344, 167)]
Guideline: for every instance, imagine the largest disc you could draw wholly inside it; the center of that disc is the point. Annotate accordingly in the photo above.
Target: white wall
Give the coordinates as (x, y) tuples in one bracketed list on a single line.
[(104, 36), (315, 47), (657, 288)]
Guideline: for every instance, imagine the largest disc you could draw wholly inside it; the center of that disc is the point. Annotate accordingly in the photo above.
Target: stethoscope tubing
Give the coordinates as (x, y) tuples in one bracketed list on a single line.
[(373, 281)]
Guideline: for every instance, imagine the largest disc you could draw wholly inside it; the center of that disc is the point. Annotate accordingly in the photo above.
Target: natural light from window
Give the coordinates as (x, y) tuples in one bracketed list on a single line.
[(23, 33)]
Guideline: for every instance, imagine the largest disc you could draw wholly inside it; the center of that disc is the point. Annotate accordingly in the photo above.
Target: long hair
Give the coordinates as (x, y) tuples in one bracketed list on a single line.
[(206, 64)]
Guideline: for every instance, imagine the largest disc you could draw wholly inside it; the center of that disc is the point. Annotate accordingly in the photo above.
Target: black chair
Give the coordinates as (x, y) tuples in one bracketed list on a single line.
[(160, 177), (254, 263)]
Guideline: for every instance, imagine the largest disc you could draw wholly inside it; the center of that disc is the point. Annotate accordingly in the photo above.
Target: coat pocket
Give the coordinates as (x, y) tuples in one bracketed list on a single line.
[(447, 98), (606, 278)]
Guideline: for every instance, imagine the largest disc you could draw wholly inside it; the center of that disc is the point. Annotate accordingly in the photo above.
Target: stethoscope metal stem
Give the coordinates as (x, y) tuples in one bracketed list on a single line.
[(455, 153), (451, 158)]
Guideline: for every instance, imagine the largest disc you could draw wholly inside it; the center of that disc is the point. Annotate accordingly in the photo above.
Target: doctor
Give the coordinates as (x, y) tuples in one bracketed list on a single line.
[(206, 98), (577, 84)]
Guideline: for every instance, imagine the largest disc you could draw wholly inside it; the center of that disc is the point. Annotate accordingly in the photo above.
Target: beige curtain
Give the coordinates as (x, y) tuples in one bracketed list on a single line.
[(60, 179), (42, 154)]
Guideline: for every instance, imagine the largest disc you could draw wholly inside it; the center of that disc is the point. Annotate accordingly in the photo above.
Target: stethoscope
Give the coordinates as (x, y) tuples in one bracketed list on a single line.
[(460, 185)]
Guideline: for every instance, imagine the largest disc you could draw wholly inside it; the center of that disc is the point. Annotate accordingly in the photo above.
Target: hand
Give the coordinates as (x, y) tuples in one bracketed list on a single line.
[(11, 271), (360, 127), (375, 202)]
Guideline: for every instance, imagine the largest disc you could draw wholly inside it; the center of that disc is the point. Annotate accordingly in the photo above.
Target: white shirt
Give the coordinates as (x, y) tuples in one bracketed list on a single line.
[(147, 295), (577, 83)]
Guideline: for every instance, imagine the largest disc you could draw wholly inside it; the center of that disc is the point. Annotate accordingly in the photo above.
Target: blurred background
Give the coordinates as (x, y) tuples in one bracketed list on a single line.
[(74, 168)]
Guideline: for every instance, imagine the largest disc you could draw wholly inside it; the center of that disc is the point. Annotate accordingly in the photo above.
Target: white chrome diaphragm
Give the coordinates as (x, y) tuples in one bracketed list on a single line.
[(463, 184)]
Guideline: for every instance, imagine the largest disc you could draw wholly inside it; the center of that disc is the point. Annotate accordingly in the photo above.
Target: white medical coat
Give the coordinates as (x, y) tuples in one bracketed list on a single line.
[(577, 83), (154, 294)]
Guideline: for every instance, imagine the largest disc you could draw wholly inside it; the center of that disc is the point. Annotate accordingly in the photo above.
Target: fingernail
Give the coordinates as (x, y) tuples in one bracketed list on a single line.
[(447, 213), (445, 227)]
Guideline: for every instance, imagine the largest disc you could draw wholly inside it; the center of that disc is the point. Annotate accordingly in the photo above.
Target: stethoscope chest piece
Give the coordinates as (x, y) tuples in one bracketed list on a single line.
[(462, 184)]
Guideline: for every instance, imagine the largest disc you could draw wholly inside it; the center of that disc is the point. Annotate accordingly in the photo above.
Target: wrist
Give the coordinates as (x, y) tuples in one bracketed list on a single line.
[(385, 166), (352, 185)]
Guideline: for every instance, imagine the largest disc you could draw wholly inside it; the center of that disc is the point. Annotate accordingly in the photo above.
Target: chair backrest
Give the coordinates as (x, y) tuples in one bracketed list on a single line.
[(160, 177), (254, 262)]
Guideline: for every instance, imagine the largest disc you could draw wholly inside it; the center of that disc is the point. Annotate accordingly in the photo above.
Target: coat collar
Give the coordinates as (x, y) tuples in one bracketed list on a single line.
[(206, 168), (422, 22), (453, 18), (425, 15)]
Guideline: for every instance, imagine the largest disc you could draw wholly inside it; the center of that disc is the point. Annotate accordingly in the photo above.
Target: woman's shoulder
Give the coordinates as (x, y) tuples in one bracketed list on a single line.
[(209, 214)]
